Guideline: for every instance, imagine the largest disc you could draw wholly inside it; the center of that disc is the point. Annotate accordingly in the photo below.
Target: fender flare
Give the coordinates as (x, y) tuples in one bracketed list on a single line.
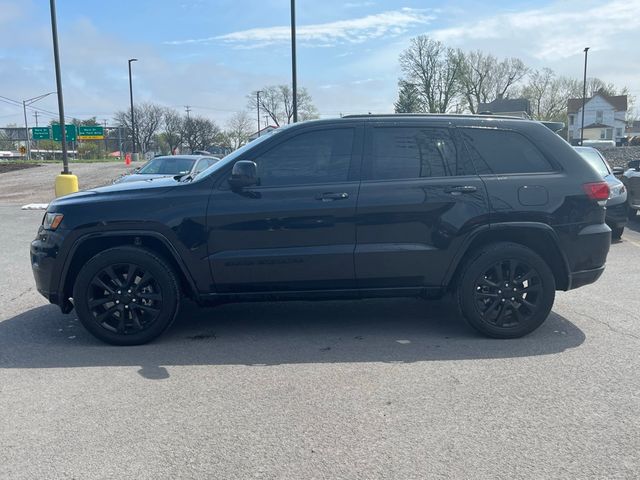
[(474, 234), (122, 233)]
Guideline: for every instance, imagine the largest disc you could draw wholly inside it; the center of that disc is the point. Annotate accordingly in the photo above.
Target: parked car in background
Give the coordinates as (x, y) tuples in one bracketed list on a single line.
[(631, 180), (500, 212), (617, 204), (169, 166)]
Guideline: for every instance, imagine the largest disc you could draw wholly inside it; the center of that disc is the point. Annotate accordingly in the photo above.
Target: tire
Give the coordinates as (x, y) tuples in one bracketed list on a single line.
[(505, 290), (632, 212), (124, 308), (616, 233)]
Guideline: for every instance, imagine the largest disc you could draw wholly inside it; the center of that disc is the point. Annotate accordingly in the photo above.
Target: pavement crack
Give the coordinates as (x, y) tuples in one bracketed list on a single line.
[(606, 324), (21, 294)]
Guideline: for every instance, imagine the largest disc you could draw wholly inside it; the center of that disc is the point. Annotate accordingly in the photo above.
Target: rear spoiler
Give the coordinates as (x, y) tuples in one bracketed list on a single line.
[(554, 126)]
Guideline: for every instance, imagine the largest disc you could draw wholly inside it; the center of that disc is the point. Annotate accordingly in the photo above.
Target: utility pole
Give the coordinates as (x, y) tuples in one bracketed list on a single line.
[(35, 114), (104, 122), (133, 119), (120, 141), (56, 59), (294, 79), (187, 108), (584, 95), (26, 130), (258, 106)]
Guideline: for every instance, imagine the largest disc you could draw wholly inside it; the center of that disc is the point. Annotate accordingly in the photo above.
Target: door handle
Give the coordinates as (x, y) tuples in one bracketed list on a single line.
[(331, 197), (460, 189)]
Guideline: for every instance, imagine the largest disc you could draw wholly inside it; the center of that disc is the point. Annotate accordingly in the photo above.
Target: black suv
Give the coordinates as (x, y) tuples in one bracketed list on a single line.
[(499, 211)]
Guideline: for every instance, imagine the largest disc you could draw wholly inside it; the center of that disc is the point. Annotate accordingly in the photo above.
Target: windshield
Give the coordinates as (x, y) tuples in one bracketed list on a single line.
[(233, 156), (168, 166), (595, 160)]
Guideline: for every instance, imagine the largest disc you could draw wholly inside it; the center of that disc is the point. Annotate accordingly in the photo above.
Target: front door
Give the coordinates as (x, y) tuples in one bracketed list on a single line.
[(419, 196), (296, 230)]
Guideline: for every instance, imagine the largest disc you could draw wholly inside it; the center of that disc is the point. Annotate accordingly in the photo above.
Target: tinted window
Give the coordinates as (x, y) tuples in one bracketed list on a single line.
[(320, 156), (413, 152), (595, 160), (502, 151), (168, 166)]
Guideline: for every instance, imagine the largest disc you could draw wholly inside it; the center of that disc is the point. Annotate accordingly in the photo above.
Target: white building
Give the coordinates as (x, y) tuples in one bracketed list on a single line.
[(604, 118)]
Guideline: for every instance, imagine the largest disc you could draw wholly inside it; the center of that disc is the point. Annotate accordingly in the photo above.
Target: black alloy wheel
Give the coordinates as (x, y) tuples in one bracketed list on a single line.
[(505, 290), (508, 293), (126, 295), (125, 298)]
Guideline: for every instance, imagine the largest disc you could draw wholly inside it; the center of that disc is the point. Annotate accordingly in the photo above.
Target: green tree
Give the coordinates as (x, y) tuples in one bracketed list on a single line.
[(409, 100)]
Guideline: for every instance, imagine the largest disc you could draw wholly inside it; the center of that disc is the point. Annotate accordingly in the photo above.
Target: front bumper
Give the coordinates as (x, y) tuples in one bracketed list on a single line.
[(44, 255)]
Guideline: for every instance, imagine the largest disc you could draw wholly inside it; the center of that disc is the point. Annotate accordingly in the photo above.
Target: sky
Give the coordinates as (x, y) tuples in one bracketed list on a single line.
[(210, 54)]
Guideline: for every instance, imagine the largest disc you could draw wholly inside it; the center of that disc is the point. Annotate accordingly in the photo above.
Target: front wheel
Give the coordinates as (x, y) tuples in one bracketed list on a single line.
[(506, 290), (126, 296)]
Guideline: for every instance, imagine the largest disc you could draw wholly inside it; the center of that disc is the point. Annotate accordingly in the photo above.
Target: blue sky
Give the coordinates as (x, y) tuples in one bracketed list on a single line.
[(211, 54)]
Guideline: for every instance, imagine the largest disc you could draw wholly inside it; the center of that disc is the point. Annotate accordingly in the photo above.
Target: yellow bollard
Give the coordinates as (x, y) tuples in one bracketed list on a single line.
[(66, 184)]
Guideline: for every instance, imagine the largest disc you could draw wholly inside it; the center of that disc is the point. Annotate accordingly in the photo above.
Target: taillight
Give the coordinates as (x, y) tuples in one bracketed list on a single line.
[(597, 190)]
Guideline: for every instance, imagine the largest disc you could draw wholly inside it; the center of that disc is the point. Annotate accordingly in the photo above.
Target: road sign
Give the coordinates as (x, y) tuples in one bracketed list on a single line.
[(40, 133), (70, 132), (90, 132)]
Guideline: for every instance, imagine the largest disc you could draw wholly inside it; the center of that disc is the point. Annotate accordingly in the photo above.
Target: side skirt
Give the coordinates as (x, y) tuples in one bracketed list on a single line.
[(347, 294)]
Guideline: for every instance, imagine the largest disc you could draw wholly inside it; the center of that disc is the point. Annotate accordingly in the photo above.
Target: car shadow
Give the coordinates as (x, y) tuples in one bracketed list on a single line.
[(259, 334), (634, 224)]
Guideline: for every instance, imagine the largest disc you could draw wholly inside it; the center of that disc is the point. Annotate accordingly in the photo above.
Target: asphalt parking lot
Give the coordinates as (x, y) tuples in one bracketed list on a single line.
[(357, 390)]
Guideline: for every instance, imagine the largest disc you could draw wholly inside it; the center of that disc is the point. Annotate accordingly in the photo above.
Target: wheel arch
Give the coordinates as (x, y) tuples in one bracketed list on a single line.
[(539, 237), (89, 245)]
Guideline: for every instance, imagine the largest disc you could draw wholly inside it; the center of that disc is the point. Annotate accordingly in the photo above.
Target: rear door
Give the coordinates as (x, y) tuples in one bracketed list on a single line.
[(419, 197)]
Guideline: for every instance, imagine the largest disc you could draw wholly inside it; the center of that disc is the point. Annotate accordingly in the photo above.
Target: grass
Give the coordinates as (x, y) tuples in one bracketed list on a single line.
[(71, 160)]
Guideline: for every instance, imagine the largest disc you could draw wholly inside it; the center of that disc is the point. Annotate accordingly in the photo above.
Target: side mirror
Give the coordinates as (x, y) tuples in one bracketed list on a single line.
[(618, 170), (244, 174)]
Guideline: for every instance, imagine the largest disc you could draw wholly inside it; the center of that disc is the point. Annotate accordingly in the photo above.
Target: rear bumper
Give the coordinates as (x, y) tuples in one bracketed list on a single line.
[(587, 254), (584, 277)]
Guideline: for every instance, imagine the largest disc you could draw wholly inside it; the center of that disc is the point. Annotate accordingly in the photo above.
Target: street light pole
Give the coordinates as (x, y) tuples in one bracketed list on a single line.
[(294, 79), (133, 120), (56, 60), (584, 94), (25, 104), (258, 105)]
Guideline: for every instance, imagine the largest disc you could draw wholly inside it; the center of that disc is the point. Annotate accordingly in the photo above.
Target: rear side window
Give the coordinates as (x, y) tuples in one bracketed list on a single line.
[(502, 151), (321, 156), (414, 152)]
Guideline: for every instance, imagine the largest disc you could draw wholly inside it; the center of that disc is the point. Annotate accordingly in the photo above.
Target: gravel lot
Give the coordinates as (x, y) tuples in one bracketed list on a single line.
[(373, 389), (25, 186)]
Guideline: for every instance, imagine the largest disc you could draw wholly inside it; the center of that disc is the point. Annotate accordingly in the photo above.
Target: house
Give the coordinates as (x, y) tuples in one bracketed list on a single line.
[(513, 107), (262, 131), (604, 118)]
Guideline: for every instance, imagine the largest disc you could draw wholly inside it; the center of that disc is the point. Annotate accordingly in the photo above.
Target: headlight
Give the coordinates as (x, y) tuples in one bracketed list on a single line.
[(52, 221)]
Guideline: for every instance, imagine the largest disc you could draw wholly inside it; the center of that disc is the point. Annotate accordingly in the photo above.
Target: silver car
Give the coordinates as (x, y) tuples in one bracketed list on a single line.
[(617, 204), (169, 166)]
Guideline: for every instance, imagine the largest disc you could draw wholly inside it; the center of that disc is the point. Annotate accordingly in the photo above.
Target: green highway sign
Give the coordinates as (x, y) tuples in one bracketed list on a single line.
[(40, 133), (70, 132), (90, 132)]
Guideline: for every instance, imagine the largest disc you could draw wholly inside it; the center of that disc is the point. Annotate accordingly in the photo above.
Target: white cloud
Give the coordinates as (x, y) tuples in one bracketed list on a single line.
[(357, 30), (555, 32)]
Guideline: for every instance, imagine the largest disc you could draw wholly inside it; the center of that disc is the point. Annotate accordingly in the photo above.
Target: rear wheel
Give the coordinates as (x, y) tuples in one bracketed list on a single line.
[(506, 290), (616, 233), (126, 296)]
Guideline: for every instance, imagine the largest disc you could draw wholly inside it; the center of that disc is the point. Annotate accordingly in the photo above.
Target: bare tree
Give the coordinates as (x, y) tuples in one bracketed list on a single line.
[(434, 70), (276, 101), (548, 94), (148, 120), (200, 133), (239, 127), (484, 78), (173, 124)]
